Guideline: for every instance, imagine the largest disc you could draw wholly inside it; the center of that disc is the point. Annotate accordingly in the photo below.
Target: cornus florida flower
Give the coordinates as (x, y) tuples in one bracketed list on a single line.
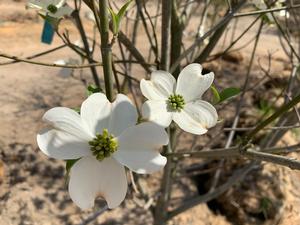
[(180, 102), (261, 5), (105, 138), (53, 8)]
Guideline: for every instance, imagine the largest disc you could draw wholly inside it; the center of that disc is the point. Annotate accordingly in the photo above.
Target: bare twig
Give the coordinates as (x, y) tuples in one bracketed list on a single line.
[(134, 51), (238, 107), (232, 152), (82, 32), (266, 128), (95, 215), (236, 177), (276, 159), (36, 55), (199, 40), (266, 11), (18, 59), (273, 117)]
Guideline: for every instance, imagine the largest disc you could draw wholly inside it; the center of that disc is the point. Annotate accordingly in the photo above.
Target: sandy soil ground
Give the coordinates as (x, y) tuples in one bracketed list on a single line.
[(32, 186)]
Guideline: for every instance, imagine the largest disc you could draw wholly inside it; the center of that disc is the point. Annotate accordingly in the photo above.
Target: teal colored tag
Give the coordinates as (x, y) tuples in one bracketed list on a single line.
[(48, 33)]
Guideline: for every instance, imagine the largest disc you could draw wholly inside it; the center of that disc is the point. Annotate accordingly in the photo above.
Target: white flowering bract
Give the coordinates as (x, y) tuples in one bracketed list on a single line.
[(106, 138), (261, 5), (180, 102), (53, 8)]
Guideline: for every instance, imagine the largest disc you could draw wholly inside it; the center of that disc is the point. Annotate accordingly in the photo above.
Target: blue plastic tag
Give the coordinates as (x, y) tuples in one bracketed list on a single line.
[(48, 33)]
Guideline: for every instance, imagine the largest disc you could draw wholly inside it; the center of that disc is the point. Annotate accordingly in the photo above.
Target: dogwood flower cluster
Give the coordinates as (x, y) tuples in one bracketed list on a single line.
[(53, 8), (104, 137), (179, 101)]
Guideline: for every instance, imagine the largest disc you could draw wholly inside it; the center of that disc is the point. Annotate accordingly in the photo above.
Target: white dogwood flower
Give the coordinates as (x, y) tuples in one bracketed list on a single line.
[(180, 102), (53, 8), (106, 138), (261, 5)]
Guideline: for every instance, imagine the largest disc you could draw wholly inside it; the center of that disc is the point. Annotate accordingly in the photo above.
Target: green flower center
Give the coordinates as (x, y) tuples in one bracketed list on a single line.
[(176, 102), (103, 145), (52, 8)]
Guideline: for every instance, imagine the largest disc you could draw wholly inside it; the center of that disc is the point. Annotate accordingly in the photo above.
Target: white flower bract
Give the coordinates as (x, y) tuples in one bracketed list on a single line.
[(70, 135), (261, 5), (179, 101), (53, 8)]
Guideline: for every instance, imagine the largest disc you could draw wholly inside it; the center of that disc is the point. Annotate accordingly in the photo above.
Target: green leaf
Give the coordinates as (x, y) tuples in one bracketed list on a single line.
[(116, 18), (69, 164), (91, 89), (216, 95), (114, 21), (228, 93), (122, 11)]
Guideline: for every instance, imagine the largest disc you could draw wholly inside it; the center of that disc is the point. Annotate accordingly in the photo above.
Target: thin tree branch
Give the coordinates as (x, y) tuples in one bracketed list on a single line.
[(18, 59), (81, 30), (134, 51), (273, 117), (199, 40), (266, 11), (236, 178), (36, 55)]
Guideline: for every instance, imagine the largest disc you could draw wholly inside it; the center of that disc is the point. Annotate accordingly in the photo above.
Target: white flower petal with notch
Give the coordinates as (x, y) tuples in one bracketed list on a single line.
[(203, 112), (123, 115), (191, 84), (138, 148), (149, 90), (188, 124), (62, 145), (68, 120), (196, 117), (164, 82), (95, 111), (159, 87), (90, 178)]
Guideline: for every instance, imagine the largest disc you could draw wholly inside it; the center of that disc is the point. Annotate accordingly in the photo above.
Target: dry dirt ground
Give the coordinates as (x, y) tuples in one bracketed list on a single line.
[(32, 186)]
